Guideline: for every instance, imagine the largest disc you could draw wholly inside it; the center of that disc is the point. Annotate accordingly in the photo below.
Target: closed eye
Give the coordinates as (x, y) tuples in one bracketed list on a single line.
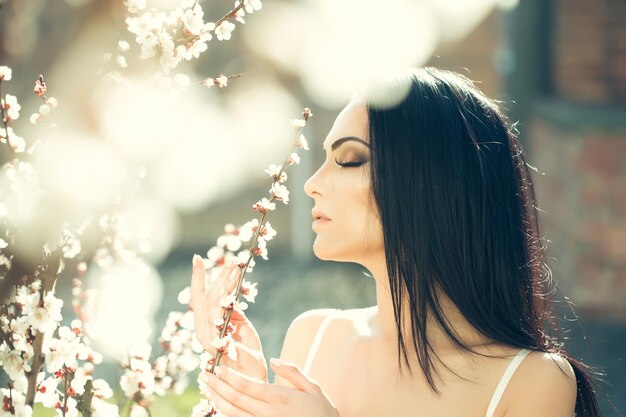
[(349, 164)]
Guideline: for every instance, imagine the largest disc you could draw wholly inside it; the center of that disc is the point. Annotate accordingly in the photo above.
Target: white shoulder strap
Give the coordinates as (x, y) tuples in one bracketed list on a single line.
[(504, 381), (316, 342)]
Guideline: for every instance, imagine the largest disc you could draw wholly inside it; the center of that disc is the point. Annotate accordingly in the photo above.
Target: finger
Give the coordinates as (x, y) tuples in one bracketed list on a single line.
[(225, 274), (232, 395), (246, 358), (292, 373), (197, 280), (231, 282), (251, 387), (222, 404)]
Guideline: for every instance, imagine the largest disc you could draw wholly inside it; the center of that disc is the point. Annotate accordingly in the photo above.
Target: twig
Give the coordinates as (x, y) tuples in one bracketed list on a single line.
[(48, 278), (252, 249)]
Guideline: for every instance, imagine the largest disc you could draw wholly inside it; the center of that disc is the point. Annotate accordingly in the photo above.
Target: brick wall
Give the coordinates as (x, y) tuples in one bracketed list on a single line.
[(583, 195), (577, 136), (589, 61)]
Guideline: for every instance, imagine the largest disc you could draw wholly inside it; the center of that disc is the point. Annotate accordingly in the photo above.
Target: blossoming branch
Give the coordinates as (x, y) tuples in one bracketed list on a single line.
[(258, 232)]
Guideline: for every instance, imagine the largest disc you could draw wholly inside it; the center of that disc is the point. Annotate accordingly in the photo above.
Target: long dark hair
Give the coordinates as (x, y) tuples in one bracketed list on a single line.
[(459, 215)]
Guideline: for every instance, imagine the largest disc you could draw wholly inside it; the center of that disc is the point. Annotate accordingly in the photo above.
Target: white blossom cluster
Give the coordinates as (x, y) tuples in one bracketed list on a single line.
[(49, 103), (45, 362), (181, 34), (258, 232), (33, 313), (9, 112)]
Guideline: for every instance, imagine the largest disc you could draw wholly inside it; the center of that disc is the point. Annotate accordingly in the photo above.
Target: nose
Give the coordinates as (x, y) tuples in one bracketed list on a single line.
[(312, 187)]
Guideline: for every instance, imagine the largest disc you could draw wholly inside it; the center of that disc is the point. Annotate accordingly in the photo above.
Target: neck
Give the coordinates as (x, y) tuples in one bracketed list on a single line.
[(383, 321)]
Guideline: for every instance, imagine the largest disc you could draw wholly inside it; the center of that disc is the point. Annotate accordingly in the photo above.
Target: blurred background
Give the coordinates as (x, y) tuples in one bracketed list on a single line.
[(559, 67)]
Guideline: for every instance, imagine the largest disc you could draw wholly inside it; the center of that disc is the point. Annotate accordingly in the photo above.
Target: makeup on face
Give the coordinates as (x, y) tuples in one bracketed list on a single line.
[(350, 151)]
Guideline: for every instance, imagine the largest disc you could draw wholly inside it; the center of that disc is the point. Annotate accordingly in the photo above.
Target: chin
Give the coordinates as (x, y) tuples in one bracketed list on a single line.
[(330, 252)]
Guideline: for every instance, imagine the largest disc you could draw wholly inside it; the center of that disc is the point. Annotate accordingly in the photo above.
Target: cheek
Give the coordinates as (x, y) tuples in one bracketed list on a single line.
[(355, 232)]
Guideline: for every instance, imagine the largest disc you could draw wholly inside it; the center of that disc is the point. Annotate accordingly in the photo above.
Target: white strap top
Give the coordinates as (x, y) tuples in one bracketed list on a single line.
[(316, 342), (504, 381), (495, 398)]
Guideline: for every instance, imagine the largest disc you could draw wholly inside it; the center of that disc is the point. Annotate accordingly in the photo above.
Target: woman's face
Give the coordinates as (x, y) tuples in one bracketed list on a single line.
[(344, 215)]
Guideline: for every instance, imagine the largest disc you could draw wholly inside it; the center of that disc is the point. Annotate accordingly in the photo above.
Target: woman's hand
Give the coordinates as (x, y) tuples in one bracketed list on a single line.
[(237, 395), (207, 308)]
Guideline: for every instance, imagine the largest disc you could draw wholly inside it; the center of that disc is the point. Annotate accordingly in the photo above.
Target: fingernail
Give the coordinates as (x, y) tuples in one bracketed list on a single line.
[(276, 362), (218, 371), (196, 259)]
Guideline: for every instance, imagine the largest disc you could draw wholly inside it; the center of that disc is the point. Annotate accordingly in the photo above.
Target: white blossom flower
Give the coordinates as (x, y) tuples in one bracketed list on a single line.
[(70, 409), (224, 30), (71, 244), (123, 46), (229, 241), (184, 296), (120, 60), (138, 411), (240, 306), (193, 20), (47, 392), (18, 401), (203, 409), (249, 290), (17, 143), (239, 14), (294, 159), (138, 378), (246, 231), (11, 107), (226, 346), (302, 142), (280, 192), (101, 389), (242, 259), (274, 171), (134, 6), (13, 363), (44, 110), (252, 5), (44, 318), (52, 102), (102, 408), (215, 253), (79, 380), (267, 232), (5, 262), (5, 73), (264, 205), (36, 118), (221, 81), (226, 301), (298, 123), (262, 248), (3, 243), (140, 351)]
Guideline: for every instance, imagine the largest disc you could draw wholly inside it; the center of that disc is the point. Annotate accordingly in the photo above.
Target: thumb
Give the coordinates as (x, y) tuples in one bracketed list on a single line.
[(292, 373)]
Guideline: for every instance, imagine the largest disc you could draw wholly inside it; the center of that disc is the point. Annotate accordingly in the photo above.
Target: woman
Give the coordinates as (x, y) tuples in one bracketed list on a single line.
[(433, 197)]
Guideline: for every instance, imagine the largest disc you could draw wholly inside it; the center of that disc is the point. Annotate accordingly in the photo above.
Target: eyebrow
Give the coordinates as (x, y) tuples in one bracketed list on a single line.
[(340, 142)]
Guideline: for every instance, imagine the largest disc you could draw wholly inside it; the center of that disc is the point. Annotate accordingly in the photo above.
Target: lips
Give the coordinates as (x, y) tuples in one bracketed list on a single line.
[(319, 215)]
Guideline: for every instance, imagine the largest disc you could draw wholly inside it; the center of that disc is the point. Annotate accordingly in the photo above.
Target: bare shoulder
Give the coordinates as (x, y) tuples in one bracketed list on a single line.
[(544, 385), (300, 335)]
